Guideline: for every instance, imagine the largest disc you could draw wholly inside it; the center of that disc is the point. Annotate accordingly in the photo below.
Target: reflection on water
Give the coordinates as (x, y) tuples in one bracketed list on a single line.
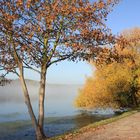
[(61, 115)]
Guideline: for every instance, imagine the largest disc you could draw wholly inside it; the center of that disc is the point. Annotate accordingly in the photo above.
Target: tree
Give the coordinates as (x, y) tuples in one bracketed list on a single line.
[(127, 51), (117, 78), (110, 87), (38, 33), (4, 81), (132, 54)]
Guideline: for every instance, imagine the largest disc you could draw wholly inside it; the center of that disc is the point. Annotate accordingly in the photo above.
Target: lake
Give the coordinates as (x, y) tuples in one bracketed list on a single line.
[(60, 114)]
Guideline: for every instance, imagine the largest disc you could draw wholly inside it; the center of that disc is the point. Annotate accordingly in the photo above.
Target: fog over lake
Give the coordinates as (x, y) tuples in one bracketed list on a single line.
[(58, 101), (60, 114)]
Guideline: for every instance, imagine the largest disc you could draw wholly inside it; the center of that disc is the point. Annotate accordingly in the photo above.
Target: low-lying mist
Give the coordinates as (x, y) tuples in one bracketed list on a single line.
[(13, 92)]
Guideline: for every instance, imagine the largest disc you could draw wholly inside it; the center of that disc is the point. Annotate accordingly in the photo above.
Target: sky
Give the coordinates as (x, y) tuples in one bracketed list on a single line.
[(125, 15)]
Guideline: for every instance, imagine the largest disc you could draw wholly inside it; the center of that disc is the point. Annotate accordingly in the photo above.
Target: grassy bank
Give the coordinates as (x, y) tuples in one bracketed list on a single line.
[(93, 126)]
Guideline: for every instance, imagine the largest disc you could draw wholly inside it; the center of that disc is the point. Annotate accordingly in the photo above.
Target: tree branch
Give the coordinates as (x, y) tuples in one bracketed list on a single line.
[(29, 67), (60, 59)]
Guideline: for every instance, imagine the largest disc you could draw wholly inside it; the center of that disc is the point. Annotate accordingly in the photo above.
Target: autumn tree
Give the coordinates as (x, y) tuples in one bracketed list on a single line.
[(110, 87), (131, 53), (127, 51), (117, 77), (34, 34)]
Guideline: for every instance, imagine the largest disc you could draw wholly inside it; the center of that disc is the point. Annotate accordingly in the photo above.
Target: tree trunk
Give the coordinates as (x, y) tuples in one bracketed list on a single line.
[(39, 134), (134, 98), (42, 98)]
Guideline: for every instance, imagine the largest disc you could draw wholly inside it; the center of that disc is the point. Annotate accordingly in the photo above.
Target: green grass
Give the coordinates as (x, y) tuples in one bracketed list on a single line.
[(94, 125)]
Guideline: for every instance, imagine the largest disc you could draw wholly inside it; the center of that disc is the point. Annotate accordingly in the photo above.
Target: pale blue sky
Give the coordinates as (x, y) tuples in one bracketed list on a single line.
[(124, 16)]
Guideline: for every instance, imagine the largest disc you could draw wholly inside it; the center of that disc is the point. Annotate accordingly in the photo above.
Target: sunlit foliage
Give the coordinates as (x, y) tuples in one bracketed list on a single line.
[(109, 88), (117, 78)]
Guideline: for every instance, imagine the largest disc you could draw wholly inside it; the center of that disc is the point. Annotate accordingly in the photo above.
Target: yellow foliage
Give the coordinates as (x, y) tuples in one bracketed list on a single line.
[(114, 84), (105, 87)]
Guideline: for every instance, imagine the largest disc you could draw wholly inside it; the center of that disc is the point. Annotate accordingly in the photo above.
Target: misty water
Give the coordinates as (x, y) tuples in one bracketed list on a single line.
[(60, 114)]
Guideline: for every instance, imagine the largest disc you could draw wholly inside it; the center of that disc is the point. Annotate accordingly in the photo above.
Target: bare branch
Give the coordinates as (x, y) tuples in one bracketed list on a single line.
[(29, 67)]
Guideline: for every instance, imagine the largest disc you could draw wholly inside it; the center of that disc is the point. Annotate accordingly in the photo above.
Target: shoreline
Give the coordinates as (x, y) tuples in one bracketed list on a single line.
[(54, 126), (57, 128), (75, 133)]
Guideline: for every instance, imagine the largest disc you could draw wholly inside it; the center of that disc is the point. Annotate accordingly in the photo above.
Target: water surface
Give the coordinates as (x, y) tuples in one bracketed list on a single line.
[(60, 114)]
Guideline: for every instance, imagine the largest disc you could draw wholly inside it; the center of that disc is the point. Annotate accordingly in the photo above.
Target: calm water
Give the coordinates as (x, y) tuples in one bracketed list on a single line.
[(61, 115)]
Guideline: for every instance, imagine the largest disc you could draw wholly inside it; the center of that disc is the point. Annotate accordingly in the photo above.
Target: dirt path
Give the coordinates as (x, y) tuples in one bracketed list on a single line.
[(127, 128)]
